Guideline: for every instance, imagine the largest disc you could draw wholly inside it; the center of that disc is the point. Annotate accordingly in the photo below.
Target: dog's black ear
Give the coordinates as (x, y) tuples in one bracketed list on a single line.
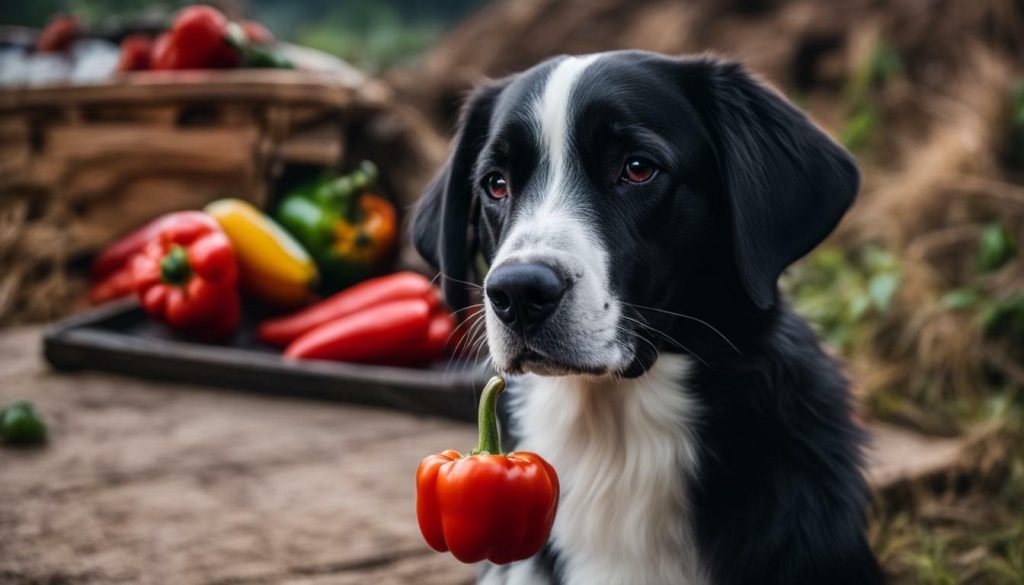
[(442, 221), (787, 183)]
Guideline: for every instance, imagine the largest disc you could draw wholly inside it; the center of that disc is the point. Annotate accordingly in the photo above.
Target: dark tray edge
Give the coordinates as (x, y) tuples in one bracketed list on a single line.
[(78, 343)]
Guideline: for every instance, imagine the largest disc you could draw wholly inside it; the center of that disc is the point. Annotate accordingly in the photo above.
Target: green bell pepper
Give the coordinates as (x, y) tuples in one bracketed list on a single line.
[(349, 231)]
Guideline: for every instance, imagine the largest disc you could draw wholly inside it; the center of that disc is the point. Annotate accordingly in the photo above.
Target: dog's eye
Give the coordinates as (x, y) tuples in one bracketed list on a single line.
[(638, 170), (496, 185)]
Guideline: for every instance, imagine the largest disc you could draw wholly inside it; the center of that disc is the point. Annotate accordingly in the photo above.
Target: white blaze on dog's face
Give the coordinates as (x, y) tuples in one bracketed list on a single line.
[(555, 229), (597, 186)]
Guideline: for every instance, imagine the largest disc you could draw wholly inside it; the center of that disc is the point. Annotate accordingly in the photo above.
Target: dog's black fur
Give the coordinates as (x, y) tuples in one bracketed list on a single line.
[(747, 186)]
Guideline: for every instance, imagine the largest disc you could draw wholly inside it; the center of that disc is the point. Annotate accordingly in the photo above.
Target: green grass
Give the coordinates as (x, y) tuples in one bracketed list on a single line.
[(843, 293), (862, 96)]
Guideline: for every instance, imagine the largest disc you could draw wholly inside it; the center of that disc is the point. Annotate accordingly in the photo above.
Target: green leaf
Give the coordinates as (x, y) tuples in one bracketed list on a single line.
[(961, 298), (882, 287), (1005, 316), (860, 129), (858, 307), (995, 247), (885, 63)]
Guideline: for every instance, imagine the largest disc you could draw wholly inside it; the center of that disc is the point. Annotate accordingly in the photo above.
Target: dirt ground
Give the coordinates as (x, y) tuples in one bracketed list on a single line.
[(159, 483), (154, 483)]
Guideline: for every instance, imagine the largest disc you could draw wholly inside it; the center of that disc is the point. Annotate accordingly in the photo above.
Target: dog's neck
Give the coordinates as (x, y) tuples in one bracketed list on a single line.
[(624, 450)]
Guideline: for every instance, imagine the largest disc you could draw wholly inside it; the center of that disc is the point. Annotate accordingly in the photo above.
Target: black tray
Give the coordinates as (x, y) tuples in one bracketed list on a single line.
[(118, 337)]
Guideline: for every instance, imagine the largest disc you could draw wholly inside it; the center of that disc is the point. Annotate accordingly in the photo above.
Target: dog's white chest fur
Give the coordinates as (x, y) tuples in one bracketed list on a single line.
[(624, 450)]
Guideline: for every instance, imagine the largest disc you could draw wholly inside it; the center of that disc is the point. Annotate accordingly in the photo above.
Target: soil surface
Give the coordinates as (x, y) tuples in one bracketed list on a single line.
[(154, 483), (158, 483)]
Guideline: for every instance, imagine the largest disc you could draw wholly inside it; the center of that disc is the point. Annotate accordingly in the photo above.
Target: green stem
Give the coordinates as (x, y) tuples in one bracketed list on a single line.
[(174, 266), (487, 419)]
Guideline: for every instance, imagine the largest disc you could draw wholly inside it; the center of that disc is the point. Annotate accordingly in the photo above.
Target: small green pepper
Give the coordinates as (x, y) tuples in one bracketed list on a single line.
[(19, 424)]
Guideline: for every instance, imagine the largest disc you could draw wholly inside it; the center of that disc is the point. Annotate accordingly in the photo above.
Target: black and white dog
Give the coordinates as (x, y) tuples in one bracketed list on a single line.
[(635, 212)]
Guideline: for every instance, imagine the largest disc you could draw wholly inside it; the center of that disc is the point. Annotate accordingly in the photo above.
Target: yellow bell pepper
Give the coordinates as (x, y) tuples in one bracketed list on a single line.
[(274, 267)]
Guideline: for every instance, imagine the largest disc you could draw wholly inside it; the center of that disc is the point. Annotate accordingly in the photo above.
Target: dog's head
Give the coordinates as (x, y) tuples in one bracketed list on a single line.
[(597, 187)]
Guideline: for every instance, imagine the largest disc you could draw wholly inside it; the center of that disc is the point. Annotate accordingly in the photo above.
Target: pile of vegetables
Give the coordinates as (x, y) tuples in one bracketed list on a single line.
[(199, 37), (310, 264)]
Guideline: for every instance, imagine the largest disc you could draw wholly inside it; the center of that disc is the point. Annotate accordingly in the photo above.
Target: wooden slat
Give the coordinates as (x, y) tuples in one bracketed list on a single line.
[(278, 86)]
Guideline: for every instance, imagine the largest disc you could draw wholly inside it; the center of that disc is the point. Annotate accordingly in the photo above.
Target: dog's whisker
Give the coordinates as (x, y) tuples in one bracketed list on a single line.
[(670, 339), (470, 285), (470, 323), (469, 333), (469, 340), (691, 318), (475, 338), (460, 326)]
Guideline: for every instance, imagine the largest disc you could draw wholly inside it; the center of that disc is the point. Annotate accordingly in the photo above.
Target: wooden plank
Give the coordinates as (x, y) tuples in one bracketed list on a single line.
[(279, 86)]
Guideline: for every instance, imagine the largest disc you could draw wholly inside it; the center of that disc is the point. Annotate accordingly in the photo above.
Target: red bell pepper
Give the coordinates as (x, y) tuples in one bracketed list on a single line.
[(136, 53), (381, 330), (117, 255), (164, 54), (486, 505), (114, 286), (197, 40), (401, 285), (58, 34), (188, 276)]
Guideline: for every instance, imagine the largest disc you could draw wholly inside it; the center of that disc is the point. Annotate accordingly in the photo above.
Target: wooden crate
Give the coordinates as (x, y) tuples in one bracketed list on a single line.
[(80, 165)]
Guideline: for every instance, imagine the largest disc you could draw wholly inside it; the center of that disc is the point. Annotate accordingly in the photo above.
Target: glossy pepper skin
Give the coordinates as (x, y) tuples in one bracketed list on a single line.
[(350, 231), (111, 270), (118, 254), (274, 267), (197, 40), (368, 336), (187, 276), (136, 53), (118, 285), (402, 285), (486, 505)]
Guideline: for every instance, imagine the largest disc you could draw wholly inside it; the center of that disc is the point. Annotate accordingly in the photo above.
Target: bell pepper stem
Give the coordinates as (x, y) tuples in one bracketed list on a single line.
[(487, 419), (174, 267)]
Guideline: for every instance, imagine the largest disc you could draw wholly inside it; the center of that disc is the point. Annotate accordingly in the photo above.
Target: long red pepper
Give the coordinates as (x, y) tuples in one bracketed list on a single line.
[(401, 285)]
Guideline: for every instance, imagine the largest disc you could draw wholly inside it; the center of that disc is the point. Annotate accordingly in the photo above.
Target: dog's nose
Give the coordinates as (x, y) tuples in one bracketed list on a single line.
[(526, 293)]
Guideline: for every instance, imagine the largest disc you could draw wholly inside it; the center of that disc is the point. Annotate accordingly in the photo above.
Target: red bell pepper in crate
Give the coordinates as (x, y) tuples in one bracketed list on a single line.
[(197, 40), (187, 276)]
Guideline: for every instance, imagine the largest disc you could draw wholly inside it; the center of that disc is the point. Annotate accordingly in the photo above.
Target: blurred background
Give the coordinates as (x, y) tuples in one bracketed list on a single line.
[(920, 290)]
